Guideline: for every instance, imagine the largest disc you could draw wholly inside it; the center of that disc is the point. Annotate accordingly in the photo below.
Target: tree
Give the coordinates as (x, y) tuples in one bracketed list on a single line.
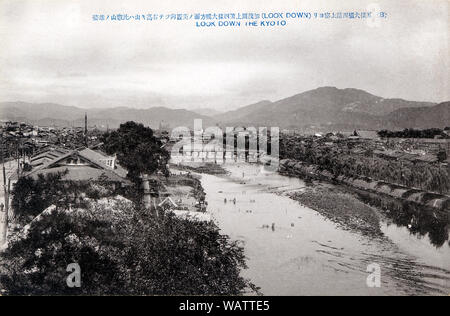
[(36, 264), (122, 249), (137, 149), (413, 133), (442, 156), (32, 196)]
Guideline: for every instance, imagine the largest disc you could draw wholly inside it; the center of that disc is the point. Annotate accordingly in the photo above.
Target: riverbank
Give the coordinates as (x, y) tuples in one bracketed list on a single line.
[(186, 191), (438, 203), (341, 208), (293, 249), (423, 213)]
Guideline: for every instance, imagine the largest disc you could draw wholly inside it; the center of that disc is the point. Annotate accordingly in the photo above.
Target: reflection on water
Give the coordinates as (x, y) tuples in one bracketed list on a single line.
[(293, 250), (422, 224), (419, 220)]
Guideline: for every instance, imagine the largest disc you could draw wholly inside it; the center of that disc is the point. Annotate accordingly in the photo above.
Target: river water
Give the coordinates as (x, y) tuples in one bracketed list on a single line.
[(293, 250)]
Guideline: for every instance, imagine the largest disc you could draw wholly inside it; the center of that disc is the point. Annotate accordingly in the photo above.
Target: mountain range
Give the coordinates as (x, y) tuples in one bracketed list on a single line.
[(325, 108), (333, 108), (51, 114)]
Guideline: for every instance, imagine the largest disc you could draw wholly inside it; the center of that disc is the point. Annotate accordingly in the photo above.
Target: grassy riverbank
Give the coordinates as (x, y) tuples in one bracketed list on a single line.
[(342, 208), (420, 211)]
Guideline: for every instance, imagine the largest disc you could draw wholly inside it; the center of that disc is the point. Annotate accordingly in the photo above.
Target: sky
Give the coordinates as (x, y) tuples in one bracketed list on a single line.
[(54, 51)]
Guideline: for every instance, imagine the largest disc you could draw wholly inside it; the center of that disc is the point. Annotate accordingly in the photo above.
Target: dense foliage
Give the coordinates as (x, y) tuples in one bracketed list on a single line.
[(137, 149), (123, 250), (413, 133), (32, 196), (340, 161)]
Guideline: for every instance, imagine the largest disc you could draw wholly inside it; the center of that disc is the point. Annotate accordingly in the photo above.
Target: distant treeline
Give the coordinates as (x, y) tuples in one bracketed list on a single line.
[(415, 133)]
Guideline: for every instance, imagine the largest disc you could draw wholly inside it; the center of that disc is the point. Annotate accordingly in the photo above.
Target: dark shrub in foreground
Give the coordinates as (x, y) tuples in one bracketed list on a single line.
[(124, 251)]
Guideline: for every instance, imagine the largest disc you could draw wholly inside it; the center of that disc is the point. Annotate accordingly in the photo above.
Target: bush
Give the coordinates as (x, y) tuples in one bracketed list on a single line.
[(32, 196), (123, 250), (37, 264), (413, 133)]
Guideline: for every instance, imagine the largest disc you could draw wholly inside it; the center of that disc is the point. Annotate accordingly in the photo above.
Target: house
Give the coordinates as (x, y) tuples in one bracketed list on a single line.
[(364, 134), (192, 216), (102, 158), (78, 165), (46, 155), (388, 154), (409, 156), (427, 158), (353, 137), (168, 202)]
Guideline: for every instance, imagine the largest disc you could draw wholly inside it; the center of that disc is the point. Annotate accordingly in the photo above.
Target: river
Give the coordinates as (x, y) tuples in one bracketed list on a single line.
[(293, 250)]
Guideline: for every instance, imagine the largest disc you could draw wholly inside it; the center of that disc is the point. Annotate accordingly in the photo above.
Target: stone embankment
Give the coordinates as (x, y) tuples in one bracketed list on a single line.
[(385, 195)]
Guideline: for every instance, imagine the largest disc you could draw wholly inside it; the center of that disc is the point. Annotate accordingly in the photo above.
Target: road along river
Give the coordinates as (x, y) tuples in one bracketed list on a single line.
[(293, 250)]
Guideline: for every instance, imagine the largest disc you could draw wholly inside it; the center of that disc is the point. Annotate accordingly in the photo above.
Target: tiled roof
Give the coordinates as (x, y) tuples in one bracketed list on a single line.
[(368, 134), (47, 162), (80, 173), (427, 158), (97, 156)]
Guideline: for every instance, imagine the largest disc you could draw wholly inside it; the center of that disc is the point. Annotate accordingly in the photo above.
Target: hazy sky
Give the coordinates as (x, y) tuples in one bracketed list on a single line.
[(53, 51)]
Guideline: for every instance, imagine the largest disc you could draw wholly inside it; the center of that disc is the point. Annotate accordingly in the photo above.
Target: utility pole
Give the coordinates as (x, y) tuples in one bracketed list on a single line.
[(5, 209), (18, 159), (85, 130)]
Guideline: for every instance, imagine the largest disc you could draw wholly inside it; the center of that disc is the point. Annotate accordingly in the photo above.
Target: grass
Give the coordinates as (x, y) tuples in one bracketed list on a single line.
[(342, 208)]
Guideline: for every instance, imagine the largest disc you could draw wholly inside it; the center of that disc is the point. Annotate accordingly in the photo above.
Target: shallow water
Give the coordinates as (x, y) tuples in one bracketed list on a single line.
[(293, 250)]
